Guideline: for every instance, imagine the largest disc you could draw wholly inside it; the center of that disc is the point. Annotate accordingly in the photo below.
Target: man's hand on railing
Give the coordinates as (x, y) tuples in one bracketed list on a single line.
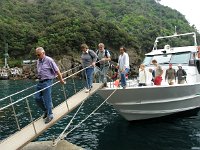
[(62, 81), (93, 64)]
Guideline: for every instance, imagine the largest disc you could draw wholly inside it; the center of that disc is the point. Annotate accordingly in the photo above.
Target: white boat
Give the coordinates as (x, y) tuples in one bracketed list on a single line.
[(138, 103), (4, 75)]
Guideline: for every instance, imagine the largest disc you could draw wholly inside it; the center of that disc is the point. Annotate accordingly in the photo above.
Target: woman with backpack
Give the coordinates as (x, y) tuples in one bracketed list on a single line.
[(88, 58)]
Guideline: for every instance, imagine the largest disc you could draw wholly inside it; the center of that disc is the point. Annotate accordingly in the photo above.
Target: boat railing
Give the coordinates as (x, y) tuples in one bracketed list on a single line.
[(12, 105), (131, 82), (175, 35)]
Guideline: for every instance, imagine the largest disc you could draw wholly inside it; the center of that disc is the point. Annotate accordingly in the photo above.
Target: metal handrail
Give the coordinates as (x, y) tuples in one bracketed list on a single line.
[(33, 86), (2, 108), (11, 104), (175, 35)]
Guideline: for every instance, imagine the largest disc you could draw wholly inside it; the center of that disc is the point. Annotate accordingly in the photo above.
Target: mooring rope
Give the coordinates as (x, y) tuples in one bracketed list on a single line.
[(63, 134)]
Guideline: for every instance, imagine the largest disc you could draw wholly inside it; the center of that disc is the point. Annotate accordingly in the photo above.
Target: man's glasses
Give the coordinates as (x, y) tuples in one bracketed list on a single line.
[(38, 55)]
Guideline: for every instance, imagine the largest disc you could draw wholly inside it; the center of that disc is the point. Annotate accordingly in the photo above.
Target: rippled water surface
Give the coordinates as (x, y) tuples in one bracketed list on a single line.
[(104, 130)]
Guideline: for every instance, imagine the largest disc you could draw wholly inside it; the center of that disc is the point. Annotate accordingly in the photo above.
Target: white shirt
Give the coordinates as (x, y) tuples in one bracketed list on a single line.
[(123, 61), (149, 78), (142, 76)]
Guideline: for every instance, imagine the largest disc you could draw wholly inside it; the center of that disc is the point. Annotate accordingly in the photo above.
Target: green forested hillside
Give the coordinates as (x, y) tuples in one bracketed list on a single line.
[(60, 26)]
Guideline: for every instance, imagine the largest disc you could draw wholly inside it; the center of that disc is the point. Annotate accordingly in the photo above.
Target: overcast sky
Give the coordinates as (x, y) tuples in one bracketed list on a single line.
[(189, 8)]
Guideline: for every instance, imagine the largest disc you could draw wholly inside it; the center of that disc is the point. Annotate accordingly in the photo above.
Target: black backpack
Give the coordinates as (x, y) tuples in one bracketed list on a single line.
[(106, 54)]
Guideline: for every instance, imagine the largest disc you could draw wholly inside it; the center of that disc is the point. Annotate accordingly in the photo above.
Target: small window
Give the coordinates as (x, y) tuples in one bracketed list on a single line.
[(180, 58)]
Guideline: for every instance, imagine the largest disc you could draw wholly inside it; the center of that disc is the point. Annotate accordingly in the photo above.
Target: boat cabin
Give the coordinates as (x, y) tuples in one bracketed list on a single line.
[(186, 56)]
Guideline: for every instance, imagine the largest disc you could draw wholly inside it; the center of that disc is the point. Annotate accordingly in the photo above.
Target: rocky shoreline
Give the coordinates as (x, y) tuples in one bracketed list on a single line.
[(28, 70)]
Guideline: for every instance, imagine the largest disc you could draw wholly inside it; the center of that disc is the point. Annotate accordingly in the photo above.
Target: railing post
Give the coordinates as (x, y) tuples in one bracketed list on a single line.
[(29, 110), (18, 126), (74, 85), (65, 95), (73, 82)]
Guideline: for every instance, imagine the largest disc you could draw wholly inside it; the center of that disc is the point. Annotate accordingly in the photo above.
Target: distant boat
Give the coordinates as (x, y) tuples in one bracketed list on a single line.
[(146, 102), (4, 75)]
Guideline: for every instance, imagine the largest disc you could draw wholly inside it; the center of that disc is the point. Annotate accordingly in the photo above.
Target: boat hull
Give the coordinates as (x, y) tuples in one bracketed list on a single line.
[(139, 103), (4, 78)]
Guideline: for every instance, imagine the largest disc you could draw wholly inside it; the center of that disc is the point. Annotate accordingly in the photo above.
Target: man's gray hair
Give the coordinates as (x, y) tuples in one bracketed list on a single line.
[(101, 44), (41, 49)]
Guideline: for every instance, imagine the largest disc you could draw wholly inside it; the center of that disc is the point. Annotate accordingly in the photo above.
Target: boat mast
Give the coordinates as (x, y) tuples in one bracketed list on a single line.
[(6, 55)]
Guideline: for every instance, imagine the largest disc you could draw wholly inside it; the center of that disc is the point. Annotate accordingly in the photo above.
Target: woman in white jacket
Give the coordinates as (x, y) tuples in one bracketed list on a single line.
[(143, 76)]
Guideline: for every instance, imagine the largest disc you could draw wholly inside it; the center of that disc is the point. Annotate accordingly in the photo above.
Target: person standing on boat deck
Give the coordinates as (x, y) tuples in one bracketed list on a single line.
[(47, 71), (158, 73), (198, 52), (88, 58), (181, 74), (151, 76), (104, 56), (149, 81), (170, 75), (123, 63), (142, 76)]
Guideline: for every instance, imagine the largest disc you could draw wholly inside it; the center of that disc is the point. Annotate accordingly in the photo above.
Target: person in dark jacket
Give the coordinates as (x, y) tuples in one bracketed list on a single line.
[(181, 74), (170, 75)]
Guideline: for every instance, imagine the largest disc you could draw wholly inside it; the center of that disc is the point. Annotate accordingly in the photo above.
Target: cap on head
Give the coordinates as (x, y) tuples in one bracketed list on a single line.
[(179, 65)]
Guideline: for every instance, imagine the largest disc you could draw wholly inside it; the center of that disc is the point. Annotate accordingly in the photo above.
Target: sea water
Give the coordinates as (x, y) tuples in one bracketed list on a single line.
[(105, 129)]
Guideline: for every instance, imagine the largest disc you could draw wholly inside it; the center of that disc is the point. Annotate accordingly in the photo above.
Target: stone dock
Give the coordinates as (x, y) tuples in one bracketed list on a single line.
[(48, 145)]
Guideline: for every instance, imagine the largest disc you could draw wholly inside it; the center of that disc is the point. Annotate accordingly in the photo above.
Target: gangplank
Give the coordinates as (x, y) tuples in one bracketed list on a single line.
[(34, 129)]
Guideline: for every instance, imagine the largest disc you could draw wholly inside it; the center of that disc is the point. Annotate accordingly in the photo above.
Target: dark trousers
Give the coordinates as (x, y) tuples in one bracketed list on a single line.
[(142, 84), (43, 98)]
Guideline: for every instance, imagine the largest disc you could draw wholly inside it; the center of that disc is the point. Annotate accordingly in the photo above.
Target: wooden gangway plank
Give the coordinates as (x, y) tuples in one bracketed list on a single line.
[(27, 134)]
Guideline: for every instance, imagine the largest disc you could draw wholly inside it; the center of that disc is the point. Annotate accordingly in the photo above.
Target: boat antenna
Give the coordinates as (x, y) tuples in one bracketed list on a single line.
[(6, 55), (155, 44), (175, 33)]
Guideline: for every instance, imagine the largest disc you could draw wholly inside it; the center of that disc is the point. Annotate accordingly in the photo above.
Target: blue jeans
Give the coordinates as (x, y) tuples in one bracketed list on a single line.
[(97, 74), (104, 70), (123, 77), (43, 98), (89, 77)]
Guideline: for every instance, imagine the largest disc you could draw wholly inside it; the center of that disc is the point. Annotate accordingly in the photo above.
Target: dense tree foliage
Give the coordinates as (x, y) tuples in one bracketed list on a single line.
[(60, 26)]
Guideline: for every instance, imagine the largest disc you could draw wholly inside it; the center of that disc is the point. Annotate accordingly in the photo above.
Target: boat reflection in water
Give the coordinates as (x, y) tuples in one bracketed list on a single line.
[(151, 101)]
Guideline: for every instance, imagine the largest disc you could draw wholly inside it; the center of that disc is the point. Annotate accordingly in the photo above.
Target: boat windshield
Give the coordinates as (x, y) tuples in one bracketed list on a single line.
[(177, 58), (147, 60), (161, 59), (180, 58)]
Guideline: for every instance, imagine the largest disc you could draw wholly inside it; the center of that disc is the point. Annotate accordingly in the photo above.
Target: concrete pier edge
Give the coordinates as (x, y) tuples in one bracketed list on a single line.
[(48, 145)]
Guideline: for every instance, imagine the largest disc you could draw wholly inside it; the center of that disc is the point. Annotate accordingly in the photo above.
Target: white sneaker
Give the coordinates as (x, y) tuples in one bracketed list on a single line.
[(87, 90)]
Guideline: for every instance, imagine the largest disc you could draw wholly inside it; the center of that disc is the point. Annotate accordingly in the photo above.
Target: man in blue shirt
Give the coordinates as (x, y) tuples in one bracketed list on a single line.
[(47, 71)]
